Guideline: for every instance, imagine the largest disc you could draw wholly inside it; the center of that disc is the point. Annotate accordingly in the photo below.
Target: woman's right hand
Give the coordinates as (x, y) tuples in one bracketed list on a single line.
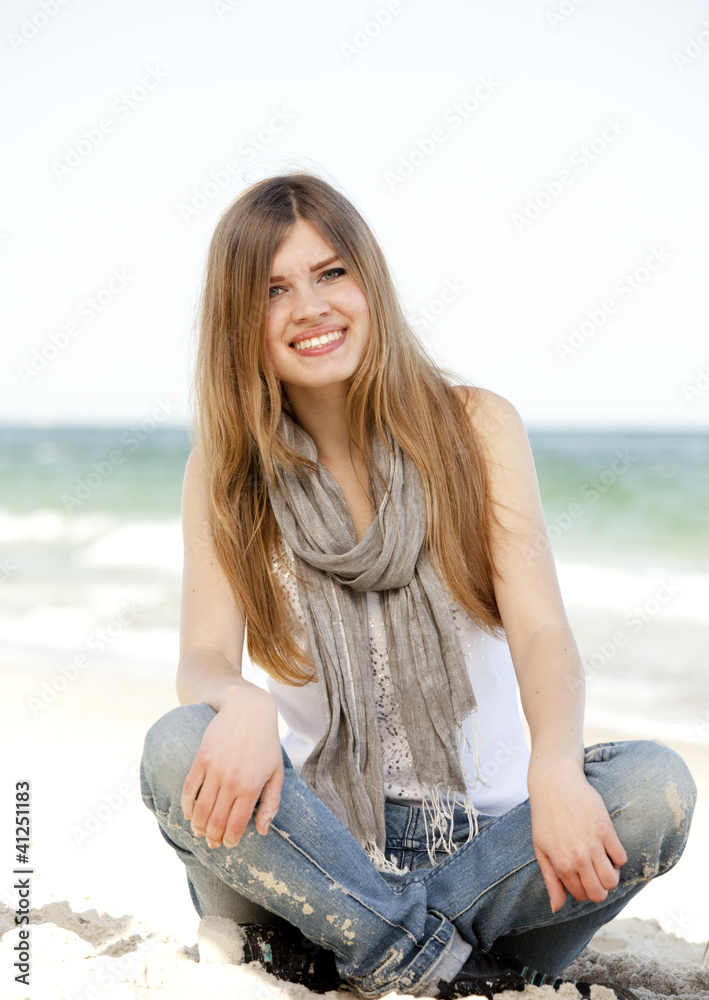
[(238, 765)]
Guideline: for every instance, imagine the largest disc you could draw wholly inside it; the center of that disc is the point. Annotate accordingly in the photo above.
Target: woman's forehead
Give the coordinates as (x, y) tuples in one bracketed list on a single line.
[(302, 248)]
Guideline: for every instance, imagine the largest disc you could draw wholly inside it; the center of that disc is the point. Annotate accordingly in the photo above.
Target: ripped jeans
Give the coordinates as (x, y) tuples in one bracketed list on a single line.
[(407, 931)]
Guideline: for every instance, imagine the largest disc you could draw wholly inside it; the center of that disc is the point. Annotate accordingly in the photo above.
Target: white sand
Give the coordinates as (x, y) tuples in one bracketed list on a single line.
[(111, 915)]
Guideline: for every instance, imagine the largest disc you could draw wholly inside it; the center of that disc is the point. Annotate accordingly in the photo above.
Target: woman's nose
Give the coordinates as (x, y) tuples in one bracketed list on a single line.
[(309, 300)]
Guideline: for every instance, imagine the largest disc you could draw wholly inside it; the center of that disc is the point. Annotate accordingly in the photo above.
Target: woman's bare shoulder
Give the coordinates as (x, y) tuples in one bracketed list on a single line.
[(490, 414), (194, 467), (193, 487)]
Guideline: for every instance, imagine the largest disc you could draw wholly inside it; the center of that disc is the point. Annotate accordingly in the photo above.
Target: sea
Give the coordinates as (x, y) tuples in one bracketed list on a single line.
[(91, 556)]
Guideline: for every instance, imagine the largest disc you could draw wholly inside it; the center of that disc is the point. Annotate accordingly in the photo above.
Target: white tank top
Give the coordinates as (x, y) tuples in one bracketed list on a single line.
[(503, 753)]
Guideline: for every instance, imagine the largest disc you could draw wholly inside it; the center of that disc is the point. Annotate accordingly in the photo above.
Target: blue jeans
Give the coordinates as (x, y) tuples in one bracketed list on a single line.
[(407, 931)]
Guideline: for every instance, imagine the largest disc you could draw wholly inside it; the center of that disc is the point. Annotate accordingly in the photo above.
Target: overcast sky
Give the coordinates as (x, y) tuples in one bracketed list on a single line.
[(535, 171)]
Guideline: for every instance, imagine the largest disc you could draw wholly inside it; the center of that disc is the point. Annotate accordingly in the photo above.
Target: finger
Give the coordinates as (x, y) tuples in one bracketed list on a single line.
[(606, 855), (241, 813), (191, 787), (204, 803), (573, 870), (269, 802), (575, 887), (219, 816), (583, 882), (613, 847), (554, 886), (607, 873)]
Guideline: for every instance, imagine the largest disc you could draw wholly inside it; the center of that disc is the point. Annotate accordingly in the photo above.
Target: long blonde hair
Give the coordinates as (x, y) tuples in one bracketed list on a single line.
[(397, 390)]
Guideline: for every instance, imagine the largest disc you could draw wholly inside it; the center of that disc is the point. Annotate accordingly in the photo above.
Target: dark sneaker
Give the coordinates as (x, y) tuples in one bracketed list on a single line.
[(286, 954), (482, 974), (487, 975)]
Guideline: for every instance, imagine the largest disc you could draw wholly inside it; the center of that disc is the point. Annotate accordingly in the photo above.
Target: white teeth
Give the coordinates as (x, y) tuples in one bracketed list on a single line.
[(325, 338)]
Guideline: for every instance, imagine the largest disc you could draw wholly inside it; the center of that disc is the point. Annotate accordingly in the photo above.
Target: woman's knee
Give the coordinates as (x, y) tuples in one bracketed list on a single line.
[(650, 794), (170, 747), (674, 802)]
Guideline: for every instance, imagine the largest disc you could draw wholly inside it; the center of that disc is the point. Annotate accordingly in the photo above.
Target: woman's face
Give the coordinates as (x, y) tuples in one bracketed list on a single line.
[(318, 322)]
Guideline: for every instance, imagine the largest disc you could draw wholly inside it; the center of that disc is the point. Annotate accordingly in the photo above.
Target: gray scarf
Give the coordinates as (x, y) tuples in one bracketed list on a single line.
[(428, 671)]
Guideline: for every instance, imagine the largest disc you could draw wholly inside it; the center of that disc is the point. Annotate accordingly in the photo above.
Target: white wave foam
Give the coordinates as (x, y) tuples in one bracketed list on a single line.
[(155, 544), (52, 526), (109, 541), (675, 593)]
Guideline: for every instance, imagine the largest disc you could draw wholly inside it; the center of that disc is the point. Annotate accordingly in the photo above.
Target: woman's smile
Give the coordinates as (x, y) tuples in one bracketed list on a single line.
[(318, 341)]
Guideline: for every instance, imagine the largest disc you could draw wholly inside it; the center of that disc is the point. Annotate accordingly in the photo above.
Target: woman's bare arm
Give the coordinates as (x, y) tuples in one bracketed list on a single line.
[(239, 762), (575, 842)]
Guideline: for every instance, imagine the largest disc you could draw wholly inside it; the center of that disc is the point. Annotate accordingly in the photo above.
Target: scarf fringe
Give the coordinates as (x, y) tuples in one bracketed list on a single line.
[(381, 862), (439, 808), (440, 804)]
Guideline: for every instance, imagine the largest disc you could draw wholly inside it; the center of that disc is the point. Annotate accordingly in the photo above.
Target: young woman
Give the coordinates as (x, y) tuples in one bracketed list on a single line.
[(377, 534)]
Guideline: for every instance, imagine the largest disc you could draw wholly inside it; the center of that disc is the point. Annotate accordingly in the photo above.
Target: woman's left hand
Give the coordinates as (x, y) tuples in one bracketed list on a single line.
[(574, 839)]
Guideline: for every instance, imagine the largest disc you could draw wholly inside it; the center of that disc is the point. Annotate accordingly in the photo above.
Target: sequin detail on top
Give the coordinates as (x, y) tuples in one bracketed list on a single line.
[(400, 781)]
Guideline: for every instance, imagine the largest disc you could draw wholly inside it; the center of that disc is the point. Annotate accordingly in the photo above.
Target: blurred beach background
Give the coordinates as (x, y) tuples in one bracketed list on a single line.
[(536, 173), (92, 548)]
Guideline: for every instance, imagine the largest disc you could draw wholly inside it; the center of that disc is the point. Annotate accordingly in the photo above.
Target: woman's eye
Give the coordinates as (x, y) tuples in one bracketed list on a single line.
[(330, 275)]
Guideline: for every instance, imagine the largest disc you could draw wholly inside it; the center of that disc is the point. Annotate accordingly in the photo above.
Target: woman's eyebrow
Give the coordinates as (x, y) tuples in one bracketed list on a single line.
[(315, 267)]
